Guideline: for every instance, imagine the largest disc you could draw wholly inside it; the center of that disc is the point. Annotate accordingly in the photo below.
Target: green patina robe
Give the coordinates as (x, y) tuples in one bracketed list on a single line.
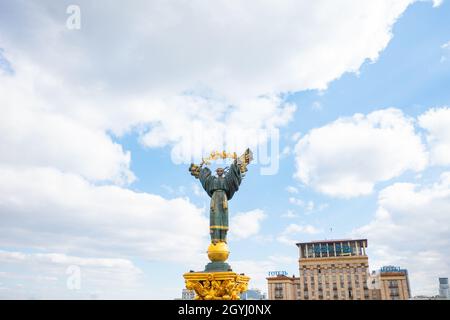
[(220, 190)]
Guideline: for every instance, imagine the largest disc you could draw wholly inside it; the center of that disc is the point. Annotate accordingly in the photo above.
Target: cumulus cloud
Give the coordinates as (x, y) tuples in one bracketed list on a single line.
[(246, 224), (411, 229), (289, 235), (291, 189), (296, 201), (24, 275), (215, 67), (289, 214), (436, 122), (347, 157), (437, 3), (48, 210)]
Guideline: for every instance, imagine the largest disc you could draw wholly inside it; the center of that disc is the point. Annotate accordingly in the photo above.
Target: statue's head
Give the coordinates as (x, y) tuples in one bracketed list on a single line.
[(219, 172)]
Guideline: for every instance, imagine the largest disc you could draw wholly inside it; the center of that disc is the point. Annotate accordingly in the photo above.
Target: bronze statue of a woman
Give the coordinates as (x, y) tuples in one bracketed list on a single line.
[(221, 188)]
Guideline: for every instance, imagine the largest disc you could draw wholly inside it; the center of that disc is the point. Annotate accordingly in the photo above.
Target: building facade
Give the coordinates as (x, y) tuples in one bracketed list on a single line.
[(187, 294), (282, 287), (333, 270), (390, 283), (339, 270), (253, 294), (443, 288)]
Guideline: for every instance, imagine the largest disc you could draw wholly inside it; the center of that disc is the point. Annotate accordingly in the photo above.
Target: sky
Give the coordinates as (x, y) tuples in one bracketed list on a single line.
[(346, 106)]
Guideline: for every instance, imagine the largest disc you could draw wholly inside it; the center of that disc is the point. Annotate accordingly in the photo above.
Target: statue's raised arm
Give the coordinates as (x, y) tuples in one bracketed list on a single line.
[(236, 173)]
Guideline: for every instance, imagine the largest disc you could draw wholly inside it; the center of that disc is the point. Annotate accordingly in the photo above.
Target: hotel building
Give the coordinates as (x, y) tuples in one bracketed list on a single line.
[(390, 283), (282, 287), (329, 270), (339, 270), (334, 270)]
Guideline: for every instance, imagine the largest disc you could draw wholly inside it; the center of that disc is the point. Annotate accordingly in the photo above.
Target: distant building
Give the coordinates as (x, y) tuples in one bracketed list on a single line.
[(187, 294), (253, 294), (443, 288), (390, 283), (422, 297), (282, 287)]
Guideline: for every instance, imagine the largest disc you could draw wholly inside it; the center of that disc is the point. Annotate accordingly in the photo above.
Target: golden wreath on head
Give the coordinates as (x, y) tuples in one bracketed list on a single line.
[(242, 161)]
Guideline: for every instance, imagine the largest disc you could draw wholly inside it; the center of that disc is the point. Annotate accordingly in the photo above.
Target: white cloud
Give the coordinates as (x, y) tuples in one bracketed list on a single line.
[(215, 46), (46, 276), (31, 133), (316, 106), (347, 157), (296, 136), (293, 229), (437, 3), (246, 224), (446, 53), (411, 229), (212, 68), (49, 210), (296, 201), (291, 189), (286, 152), (309, 206), (436, 122), (197, 190), (289, 214)]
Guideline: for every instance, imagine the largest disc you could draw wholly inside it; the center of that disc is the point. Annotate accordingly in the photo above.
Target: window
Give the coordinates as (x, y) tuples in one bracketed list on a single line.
[(393, 284), (394, 293)]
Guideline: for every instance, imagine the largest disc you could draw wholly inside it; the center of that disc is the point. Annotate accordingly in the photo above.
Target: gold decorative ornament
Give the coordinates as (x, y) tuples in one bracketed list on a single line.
[(242, 161), (218, 252), (216, 285)]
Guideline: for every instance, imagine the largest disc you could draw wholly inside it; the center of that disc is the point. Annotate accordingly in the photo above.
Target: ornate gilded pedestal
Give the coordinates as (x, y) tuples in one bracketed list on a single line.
[(218, 281)]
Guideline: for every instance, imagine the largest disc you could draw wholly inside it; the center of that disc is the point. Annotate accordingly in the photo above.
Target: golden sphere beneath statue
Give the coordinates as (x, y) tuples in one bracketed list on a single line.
[(218, 252)]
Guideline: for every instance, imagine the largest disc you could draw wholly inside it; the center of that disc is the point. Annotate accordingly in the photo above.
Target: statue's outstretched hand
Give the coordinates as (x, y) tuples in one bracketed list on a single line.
[(194, 170)]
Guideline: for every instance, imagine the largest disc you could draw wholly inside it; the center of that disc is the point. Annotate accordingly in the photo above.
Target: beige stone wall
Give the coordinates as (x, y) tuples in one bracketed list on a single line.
[(319, 276), (282, 288), (393, 286)]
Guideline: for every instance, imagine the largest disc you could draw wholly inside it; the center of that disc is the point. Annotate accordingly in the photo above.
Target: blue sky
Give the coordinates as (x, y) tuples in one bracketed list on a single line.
[(95, 118)]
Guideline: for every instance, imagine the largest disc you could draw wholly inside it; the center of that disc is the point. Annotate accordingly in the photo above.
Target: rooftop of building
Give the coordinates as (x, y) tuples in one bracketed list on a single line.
[(330, 241), (282, 277)]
